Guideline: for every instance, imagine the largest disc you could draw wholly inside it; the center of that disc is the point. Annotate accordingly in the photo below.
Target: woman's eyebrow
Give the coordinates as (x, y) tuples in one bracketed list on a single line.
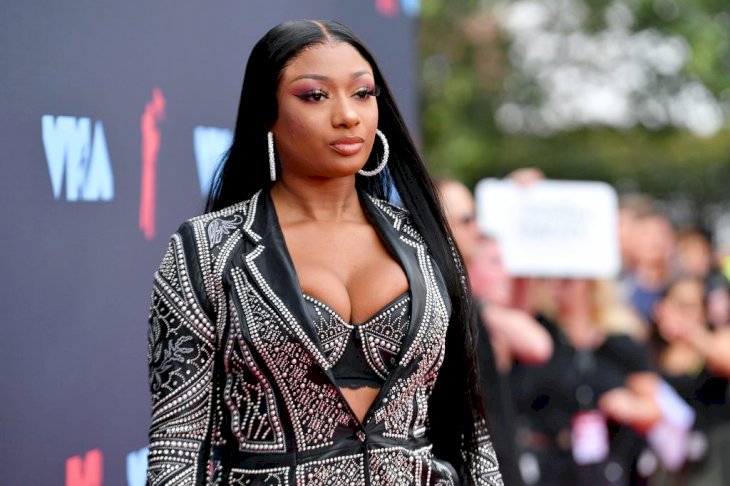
[(322, 77), (319, 77)]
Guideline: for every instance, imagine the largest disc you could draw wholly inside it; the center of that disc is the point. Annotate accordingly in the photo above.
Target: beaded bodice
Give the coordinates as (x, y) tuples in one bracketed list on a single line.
[(361, 354)]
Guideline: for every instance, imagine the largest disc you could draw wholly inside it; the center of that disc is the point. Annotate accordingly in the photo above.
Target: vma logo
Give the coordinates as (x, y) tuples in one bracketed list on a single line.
[(209, 144), (78, 156)]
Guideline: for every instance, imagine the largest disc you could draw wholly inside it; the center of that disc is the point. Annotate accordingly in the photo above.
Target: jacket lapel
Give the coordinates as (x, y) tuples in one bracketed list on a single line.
[(422, 348), (388, 221), (271, 272)]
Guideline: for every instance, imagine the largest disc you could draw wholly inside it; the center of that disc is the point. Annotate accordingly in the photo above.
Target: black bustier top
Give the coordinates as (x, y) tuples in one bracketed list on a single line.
[(362, 354)]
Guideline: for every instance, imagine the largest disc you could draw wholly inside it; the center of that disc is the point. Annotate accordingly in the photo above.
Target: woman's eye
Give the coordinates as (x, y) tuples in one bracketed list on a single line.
[(364, 93), (314, 95)]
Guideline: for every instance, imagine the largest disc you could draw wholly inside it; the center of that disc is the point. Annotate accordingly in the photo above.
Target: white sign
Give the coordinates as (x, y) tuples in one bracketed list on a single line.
[(552, 228)]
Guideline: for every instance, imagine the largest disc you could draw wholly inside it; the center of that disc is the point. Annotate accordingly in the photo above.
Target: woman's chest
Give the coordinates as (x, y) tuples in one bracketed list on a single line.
[(351, 269)]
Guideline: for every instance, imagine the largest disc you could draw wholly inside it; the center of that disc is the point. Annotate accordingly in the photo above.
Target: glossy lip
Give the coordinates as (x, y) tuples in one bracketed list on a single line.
[(348, 145)]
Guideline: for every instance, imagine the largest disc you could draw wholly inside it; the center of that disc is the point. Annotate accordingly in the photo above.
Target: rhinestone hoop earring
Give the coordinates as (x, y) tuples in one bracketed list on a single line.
[(383, 162), (272, 157)]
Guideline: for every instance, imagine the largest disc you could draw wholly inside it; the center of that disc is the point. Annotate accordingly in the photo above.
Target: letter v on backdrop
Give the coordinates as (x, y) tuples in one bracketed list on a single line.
[(79, 157)]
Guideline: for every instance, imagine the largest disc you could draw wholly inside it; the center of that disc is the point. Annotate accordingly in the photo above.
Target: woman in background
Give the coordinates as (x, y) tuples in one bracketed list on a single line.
[(695, 361), (305, 331), (579, 414)]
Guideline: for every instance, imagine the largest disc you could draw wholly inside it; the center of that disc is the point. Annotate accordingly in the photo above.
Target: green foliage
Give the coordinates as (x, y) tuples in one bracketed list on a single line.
[(467, 70)]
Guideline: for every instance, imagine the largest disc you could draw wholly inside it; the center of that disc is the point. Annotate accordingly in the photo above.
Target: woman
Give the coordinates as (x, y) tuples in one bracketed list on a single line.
[(579, 409), (259, 374), (684, 342), (693, 359)]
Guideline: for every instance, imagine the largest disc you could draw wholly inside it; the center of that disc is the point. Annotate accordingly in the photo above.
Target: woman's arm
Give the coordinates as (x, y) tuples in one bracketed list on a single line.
[(181, 353), (714, 346), (634, 405), (526, 339)]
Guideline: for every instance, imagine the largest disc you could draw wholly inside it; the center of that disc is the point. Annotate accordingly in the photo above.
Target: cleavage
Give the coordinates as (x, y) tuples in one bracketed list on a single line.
[(378, 313)]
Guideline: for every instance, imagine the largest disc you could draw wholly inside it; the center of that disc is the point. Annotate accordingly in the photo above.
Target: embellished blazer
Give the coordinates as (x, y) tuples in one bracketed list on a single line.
[(242, 391)]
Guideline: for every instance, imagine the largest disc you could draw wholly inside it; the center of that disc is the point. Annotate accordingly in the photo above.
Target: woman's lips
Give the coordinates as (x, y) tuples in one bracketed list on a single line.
[(347, 145)]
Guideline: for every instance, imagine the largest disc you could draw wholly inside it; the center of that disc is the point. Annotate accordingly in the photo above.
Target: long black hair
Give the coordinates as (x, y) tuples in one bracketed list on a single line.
[(244, 170)]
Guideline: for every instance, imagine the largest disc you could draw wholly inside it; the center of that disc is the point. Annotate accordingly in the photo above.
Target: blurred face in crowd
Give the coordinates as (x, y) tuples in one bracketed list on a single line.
[(489, 280), (718, 307), (653, 241), (626, 231), (571, 293), (461, 216), (695, 255), (632, 207), (682, 309)]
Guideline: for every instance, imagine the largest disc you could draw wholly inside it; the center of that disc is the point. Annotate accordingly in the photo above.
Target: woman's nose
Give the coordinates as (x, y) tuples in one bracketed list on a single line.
[(345, 114)]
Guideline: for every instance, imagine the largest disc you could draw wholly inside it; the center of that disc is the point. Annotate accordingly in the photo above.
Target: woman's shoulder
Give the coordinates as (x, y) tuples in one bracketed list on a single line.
[(624, 341), (399, 217), (241, 208), (626, 349), (394, 209), (210, 230)]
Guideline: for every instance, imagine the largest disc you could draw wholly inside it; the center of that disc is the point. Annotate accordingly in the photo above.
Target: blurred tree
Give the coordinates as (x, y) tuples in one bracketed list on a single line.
[(633, 92)]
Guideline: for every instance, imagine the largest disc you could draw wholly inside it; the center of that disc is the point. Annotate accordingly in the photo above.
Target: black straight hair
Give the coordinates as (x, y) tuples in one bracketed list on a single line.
[(244, 170)]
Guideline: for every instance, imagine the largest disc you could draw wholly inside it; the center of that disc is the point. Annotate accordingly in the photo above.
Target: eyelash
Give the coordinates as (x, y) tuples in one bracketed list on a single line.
[(362, 93), (368, 92)]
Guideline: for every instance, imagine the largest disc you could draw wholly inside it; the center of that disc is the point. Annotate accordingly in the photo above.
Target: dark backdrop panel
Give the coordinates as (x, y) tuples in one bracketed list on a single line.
[(77, 275)]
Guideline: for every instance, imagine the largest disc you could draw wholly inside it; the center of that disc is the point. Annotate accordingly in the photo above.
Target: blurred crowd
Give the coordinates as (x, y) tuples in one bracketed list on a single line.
[(605, 382)]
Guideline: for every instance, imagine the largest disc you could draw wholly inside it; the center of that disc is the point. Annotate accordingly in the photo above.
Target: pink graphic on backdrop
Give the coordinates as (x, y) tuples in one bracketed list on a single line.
[(154, 112), (388, 8), (85, 471)]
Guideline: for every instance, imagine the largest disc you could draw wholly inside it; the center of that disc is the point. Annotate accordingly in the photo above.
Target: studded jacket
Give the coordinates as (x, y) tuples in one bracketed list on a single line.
[(242, 392)]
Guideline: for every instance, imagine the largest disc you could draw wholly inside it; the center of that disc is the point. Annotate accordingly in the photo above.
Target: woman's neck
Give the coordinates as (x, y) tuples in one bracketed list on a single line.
[(319, 200)]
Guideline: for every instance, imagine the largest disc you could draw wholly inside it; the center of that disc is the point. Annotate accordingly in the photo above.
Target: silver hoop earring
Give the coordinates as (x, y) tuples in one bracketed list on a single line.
[(272, 157), (383, 162)]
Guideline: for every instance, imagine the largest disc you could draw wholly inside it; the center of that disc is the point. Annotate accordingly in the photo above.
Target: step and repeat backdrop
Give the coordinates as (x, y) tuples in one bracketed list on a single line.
[(112, 119)]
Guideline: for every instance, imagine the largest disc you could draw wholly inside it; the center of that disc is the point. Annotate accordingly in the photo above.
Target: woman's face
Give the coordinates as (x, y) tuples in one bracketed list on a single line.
[(572, 293), (328, 113), (682, 310), (488, 277), (460, 214)]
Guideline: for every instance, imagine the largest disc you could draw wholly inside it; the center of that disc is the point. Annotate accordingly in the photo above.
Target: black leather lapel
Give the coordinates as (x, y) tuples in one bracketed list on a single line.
[(270, 271), (388, 222)]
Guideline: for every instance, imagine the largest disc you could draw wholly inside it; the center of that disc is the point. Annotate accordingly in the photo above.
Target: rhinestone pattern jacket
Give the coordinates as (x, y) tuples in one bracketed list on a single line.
[(242, 392)]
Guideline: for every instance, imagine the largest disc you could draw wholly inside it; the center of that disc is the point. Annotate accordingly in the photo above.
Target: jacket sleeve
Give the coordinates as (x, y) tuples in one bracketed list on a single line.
[(480, 459), (181, 353)]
